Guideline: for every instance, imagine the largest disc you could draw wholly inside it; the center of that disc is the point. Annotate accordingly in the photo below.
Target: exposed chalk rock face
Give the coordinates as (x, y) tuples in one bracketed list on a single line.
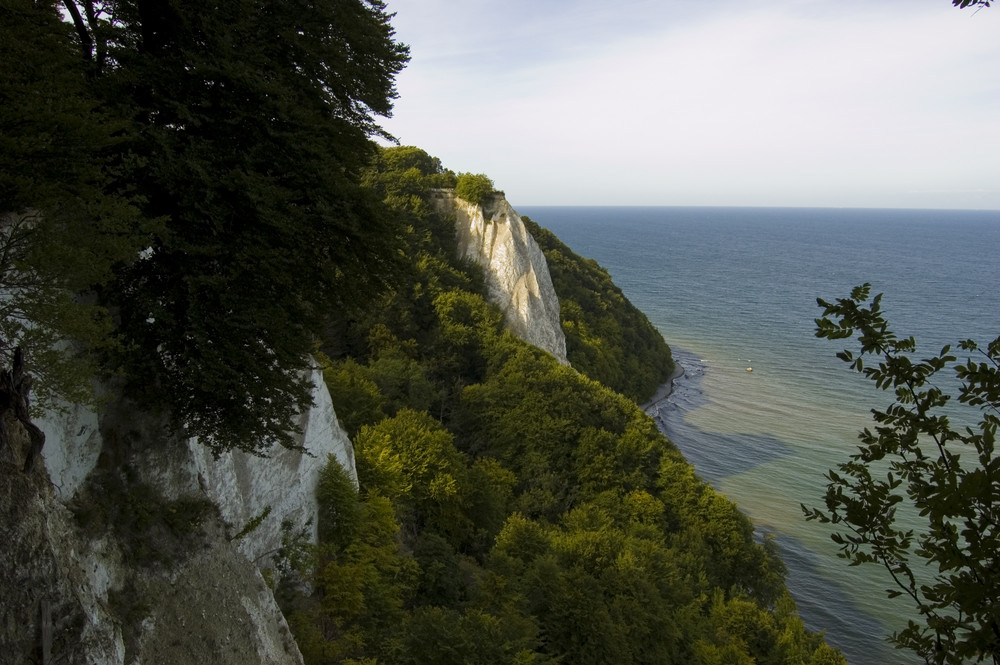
[(51, 574), (72, 597), (215, 608), (243, 486), (517, 274), (73, 444), (209, 605)]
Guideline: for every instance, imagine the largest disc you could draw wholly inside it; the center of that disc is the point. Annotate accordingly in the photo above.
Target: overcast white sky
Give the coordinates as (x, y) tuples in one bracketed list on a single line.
[(867, 103)]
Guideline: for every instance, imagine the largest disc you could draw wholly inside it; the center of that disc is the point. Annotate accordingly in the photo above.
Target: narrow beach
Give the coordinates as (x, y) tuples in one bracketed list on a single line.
[(663, 392)]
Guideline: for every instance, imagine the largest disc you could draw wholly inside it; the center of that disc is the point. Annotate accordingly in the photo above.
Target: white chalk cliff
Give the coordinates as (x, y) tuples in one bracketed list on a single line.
[(212, 605), (240, 484), (517, 275)]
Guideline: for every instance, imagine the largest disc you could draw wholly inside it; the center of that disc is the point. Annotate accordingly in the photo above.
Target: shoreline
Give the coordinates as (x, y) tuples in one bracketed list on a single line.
[(664, 391)]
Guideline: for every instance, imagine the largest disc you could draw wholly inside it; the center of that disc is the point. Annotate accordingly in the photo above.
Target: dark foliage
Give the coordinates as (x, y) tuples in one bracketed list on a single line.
[(246, 125), (64, 223), (920, 496)]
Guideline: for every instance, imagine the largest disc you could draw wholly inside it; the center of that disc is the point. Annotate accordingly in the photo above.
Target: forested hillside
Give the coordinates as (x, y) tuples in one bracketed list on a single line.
[(511, 509)]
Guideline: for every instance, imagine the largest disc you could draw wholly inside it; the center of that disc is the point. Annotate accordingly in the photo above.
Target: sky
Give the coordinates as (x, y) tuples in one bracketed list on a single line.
[(842, 103)]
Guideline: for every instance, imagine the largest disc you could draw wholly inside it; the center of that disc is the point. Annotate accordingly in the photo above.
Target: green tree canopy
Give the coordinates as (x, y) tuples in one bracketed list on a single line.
[(474, 188), (63, 225), (249, 124)]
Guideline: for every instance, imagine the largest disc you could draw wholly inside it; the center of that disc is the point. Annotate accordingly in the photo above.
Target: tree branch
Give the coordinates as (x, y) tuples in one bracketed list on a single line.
[(86, 42)]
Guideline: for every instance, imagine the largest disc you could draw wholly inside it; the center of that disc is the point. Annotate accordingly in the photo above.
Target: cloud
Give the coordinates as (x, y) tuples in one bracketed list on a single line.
[(809, 105)]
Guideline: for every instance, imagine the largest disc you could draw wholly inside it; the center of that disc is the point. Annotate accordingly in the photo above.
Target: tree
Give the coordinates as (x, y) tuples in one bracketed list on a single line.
[(339, 509), (412, 459), (917, 468), (63, 227), (962, 4), (474, 188), (251, 122)]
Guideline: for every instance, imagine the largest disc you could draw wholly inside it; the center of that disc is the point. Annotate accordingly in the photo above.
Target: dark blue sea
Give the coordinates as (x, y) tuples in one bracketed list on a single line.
[(736, 288)]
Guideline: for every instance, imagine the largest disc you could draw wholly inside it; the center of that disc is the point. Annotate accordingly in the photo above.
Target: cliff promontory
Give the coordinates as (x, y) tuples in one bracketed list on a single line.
[(517, 275)]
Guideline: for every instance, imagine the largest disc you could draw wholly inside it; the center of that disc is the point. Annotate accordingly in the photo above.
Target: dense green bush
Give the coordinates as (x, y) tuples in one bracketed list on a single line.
[(401, 176), (474, 188)]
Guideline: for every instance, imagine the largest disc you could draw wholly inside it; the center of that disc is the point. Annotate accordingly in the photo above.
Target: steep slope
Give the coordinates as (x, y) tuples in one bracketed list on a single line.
[(607, 337), (517, 275), (510, 508)]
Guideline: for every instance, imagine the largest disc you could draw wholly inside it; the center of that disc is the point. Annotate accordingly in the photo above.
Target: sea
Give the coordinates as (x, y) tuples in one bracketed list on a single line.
[(734, 290)]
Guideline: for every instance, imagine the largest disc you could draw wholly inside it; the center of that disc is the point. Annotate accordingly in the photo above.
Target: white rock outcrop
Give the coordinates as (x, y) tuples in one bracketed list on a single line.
[(73, 445), (53, 575), (243, 486), (72, 597), (213, 604), (517, 274)]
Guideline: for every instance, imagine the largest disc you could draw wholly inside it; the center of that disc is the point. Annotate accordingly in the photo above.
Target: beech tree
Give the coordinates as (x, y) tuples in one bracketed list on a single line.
[(249, 123), (63, 225), (921, 497)]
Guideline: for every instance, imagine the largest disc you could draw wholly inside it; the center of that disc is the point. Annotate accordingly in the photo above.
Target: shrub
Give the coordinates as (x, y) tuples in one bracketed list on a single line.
[(474, 188)]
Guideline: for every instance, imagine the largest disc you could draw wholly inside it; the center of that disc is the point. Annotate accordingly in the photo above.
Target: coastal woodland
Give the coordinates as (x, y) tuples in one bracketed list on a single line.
[(194, 210), (512, 509)]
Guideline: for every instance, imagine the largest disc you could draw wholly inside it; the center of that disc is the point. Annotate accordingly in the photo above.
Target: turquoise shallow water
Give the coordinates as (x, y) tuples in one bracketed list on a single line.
[(732, 288)]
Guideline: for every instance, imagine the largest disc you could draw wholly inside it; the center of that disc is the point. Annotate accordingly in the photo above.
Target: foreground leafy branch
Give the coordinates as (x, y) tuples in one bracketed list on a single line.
[(920, 497)]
